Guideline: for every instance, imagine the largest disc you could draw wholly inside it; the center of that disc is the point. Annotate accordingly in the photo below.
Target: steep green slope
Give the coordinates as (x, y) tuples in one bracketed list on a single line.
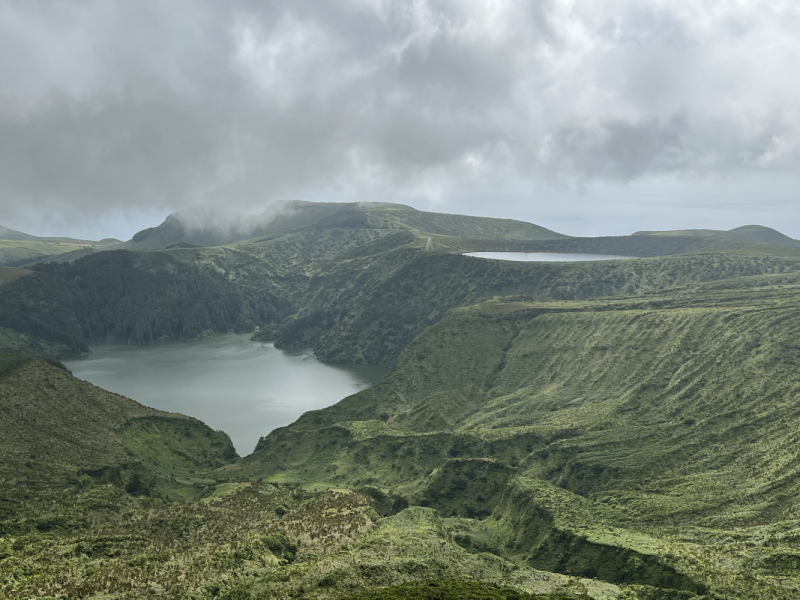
[(139, 298), (354, 295), (21, 343), (368, 310), (83, 476), (55, 427), (617, 438)]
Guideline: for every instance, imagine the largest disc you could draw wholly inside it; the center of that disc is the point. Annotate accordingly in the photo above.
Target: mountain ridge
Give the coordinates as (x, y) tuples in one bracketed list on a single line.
[(293, 216), (20, 249), (12, 234), (750, 233)]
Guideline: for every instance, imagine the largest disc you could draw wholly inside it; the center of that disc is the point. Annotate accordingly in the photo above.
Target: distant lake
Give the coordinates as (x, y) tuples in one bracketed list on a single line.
[(244, 388), (547, 256)]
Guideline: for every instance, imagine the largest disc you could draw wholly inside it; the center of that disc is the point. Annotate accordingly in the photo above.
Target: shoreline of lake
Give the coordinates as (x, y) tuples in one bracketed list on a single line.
[(242, 387), (547, 256)]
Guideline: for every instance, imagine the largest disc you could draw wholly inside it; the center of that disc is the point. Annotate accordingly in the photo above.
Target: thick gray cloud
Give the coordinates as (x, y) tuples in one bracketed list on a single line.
[(555, 110)]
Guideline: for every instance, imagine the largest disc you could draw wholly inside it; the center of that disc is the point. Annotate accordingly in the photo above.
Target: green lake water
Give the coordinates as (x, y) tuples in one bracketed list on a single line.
[(244, 388)]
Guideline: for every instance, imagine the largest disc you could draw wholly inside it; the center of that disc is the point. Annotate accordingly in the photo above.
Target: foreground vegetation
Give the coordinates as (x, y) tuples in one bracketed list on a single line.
[(614, 430)]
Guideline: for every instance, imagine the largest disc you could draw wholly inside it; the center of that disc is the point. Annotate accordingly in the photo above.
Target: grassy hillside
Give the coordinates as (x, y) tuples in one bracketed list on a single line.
[(18, 248), (481, 228), (14, 342), (56, 428), (639, 245), (9, 274), (20, 252), (620, 439), (12, 234), (246, 540), (103, 497), (369, 309), (354, 295)]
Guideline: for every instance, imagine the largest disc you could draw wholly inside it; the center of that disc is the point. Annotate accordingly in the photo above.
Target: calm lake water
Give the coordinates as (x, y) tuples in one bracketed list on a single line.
[(244, 388), (546, 256)]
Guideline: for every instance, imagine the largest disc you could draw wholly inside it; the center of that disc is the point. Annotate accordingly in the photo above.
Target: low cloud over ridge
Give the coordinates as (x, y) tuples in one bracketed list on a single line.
[(110, 105)]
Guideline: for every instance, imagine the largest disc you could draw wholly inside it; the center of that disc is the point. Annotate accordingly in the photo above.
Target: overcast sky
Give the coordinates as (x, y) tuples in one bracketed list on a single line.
[(589, 117)]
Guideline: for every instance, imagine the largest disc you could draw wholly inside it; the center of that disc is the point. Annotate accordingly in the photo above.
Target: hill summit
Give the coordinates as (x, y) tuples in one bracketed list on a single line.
[(749, 233), (215, 228)]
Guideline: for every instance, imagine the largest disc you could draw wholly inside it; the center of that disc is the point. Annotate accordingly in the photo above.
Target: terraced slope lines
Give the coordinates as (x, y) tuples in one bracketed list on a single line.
[(617, 439)]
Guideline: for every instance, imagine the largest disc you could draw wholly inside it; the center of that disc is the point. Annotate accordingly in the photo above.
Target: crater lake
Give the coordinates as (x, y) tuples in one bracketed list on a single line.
[(241, 387)]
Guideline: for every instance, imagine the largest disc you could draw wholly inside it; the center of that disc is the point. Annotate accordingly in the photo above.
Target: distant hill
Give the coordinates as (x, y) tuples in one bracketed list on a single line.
[(55, 426), (12, 234), (749, 233), (750, 238), (18, 248), (215, 229)]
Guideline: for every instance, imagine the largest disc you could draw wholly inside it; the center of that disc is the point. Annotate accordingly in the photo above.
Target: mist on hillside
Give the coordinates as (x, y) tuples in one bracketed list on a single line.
[(589, 118), (217, 225)]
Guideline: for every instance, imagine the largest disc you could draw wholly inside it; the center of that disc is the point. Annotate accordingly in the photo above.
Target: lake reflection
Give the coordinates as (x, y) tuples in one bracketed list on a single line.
[(546, 256), (244, 388)]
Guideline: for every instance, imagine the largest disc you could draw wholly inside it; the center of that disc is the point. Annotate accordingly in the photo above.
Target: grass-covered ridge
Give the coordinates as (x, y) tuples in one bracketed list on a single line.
[(353, 295), (749, 233), (357, 282), (18, 248), (58, 432), (291, 218)]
